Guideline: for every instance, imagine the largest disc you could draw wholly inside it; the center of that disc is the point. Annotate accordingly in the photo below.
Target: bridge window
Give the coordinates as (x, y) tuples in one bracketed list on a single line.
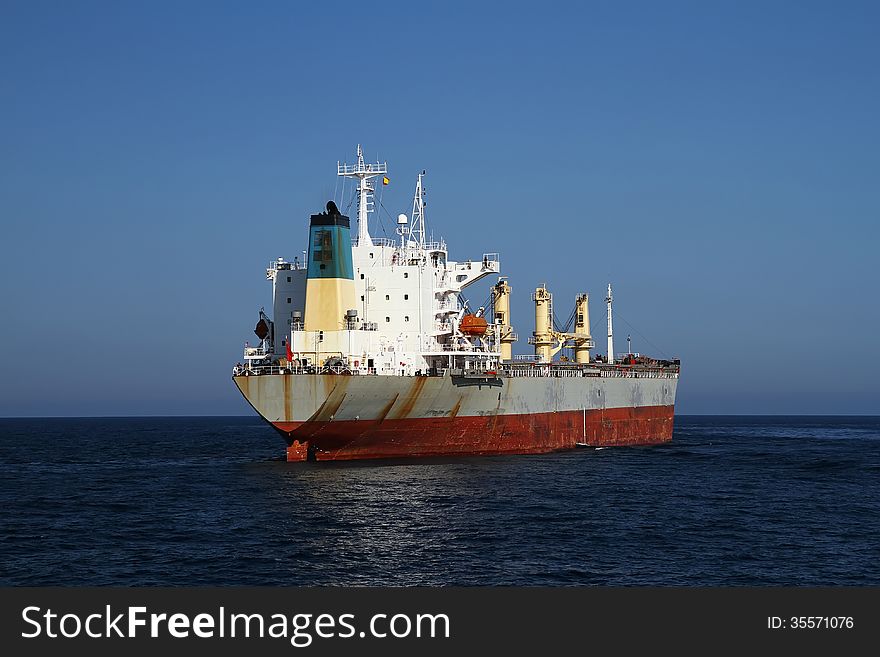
[(405, 297), (406, 274), (406, 318), (387, 319)]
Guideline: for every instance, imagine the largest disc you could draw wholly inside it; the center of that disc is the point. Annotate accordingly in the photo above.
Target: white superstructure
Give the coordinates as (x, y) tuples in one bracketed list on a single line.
[(407, 293)]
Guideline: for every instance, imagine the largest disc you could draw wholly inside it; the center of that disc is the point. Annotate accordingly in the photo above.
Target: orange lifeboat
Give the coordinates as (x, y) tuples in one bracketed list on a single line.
[(473, 325)]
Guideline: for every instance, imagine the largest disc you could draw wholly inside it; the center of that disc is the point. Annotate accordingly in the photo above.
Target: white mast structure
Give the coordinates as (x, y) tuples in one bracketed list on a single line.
[(417, 227), (608, 300), (364, 173)]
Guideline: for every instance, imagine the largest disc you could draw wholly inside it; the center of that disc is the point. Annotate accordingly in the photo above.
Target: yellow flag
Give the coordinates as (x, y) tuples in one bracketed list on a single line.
[(385, 180)]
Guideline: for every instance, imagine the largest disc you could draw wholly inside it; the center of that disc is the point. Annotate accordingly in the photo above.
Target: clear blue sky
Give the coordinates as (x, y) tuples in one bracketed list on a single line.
[(718, 162)]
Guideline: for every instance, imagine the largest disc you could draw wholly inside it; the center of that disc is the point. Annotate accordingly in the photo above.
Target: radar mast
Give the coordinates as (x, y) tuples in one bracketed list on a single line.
[(364, 173), (417, 227)]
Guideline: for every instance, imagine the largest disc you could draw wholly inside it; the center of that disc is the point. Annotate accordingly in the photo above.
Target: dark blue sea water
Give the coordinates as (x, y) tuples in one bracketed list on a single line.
[(207, 501)]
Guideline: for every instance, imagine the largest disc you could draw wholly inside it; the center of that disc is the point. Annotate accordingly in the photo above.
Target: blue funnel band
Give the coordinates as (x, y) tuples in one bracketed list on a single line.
[(330, 249)]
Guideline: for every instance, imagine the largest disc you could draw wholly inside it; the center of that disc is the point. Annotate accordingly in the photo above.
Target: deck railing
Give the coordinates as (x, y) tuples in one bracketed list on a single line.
[(529, 371), (577, 371)]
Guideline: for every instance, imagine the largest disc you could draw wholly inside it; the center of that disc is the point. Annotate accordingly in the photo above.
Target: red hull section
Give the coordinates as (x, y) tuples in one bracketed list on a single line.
[(498, 434)]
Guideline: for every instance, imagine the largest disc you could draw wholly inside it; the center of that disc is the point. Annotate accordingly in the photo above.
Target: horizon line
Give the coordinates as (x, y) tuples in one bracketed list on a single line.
[(124, 417)]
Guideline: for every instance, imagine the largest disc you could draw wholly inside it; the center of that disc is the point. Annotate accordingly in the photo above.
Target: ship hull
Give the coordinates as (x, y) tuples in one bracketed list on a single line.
[(336, 417)]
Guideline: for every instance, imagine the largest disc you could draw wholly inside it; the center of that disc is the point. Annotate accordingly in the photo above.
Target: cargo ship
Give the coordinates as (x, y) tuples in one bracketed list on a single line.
[(372, 351)]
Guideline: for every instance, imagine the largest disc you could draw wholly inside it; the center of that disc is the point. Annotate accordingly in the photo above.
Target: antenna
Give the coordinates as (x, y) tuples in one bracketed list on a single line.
[(364, 173), (417, 227), (608, 300), (629, 348)]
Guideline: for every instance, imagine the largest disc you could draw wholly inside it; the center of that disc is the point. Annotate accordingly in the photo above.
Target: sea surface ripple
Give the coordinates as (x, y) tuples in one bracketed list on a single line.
[(208, 501)]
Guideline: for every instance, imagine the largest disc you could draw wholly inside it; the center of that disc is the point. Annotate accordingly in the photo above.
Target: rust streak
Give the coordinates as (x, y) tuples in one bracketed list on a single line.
[(411, 398), (387, 409), (330, 407), (494, 422), (456, 408), (331, 383), (334, 399), (288, 408)]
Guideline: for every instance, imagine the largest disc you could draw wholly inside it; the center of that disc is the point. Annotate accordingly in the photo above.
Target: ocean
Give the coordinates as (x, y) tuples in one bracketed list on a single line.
[(209, 501)]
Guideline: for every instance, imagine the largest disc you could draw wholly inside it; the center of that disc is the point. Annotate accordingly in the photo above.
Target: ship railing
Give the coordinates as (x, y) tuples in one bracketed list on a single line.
[(573, 370), (377, 241), (553, 372), (275, 368), (531, 370), (491, 260), (348, 169), (463, 349), (280, 265), (640, 373), (263, 370), (256, 370)]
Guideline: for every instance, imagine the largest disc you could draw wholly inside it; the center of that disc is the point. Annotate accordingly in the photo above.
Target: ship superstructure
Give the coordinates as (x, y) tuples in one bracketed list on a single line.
[(376, 305), (372, 351)]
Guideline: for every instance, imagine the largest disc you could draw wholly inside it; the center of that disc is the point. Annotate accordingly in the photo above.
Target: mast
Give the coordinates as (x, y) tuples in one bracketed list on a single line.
[(417, 228), (364, 173), (608, 300)]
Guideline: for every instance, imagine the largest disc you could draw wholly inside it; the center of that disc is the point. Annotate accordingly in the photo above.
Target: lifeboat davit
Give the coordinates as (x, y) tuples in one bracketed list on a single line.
[(473, 325)]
